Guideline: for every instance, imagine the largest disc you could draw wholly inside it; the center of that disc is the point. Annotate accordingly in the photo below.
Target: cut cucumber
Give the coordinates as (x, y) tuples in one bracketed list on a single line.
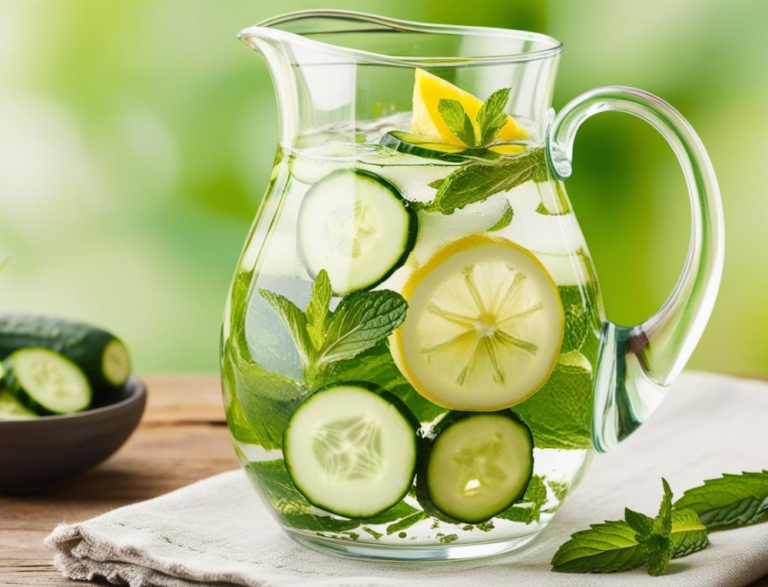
[(475, 466), (47, 382), (12, 409), (312, 164), (404, 142), (103, 358), (357, 227), (351, 449)]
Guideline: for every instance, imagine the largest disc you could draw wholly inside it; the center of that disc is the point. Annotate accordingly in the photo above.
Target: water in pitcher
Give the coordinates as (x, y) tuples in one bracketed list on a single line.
[(400, 366)]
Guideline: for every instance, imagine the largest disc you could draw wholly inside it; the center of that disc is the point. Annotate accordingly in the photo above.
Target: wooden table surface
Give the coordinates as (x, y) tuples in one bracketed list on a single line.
[(182, 438)]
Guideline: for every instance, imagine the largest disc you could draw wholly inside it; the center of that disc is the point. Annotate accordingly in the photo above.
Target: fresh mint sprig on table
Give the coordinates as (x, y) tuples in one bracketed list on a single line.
[(680, 529), (360, 321)]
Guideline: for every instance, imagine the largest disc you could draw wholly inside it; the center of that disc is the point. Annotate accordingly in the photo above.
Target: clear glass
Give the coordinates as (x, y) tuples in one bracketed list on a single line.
[(345, 81)]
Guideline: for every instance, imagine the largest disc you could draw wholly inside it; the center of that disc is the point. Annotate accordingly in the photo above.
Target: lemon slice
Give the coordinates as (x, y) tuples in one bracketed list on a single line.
[(484, 326), (427, 122)]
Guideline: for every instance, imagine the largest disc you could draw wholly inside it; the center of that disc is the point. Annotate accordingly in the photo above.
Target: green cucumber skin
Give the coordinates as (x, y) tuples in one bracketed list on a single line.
[(395, 143), (81, 343), (422, 483), (13, 385), (413, 227), (385, 394)]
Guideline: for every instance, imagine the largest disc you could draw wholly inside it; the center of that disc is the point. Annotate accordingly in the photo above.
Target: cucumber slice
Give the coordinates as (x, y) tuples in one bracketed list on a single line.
[(351, 449), (12, 409), (475, 466), (312, 164), (404, 142), (357, 227), (103, 357), (47, 382)]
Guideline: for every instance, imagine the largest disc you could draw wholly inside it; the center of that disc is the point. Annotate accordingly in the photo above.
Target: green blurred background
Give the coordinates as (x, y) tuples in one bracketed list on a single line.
[(136, 139)]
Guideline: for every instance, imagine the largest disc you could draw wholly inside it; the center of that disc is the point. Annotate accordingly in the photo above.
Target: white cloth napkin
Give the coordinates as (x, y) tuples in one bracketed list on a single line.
[(217, 531)]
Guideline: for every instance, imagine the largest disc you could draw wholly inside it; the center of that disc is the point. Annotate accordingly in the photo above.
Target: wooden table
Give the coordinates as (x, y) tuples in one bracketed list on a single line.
[(182, 438)]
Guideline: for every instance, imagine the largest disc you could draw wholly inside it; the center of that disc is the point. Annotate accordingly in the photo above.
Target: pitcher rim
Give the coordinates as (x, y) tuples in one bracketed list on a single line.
[(265, 29)]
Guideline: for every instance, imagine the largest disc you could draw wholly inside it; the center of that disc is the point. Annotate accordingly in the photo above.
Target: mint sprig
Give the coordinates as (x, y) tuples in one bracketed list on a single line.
[(458, 121), (489, 121), (322, 338), (654, 535), (476, 182), (638, 540), (730, 501)]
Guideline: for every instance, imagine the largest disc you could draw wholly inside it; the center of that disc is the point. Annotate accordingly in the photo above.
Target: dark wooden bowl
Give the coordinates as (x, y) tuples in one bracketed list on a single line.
[(38, 452)]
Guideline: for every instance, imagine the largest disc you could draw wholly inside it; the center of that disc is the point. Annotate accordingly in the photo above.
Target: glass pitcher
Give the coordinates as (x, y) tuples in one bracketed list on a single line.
[(416, 362)]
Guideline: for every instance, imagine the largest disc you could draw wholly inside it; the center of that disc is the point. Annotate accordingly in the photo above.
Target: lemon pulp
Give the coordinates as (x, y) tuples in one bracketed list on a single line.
[(484, 326)]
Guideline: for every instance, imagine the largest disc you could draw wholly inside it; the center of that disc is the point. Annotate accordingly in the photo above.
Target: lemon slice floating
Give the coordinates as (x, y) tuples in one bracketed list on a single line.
[(429, 124), (484, 326)]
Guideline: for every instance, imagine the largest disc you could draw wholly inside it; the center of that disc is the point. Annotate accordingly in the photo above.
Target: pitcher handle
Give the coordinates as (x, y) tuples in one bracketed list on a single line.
[(636, 364)]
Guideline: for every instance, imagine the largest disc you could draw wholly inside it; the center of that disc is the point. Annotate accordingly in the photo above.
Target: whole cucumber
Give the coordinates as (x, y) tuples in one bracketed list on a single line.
[(102, 356)]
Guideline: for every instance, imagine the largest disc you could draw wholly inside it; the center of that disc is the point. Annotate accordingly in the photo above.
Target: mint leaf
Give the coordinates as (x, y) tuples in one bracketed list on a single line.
[(610, 547), (528, 509), (274, 481), (491, 118), (657, 543), (406, 522), (317, 309), (689, 535), (623, 545), (457, 120), (360, 321), (560, 414), (505, 220), (477, 182), (730, 501), (296, 323), (640, 523)]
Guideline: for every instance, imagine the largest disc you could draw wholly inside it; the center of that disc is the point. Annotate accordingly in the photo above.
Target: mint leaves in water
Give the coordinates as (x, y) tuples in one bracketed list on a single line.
[(476, 182), (638, 540), (360, 321), (490, 119)]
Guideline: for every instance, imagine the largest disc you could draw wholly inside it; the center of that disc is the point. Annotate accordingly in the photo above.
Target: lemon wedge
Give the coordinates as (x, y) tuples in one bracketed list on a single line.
[(484, 326), (427, 122)]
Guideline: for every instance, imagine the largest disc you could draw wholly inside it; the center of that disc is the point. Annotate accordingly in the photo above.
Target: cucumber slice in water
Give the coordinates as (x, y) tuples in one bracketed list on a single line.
[(12, 409), (404, 142), (48, 382), (351, 449), (357, 227), (476, 466)]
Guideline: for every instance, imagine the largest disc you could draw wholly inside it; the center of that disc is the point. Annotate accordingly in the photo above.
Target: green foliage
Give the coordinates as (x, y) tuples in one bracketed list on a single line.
[(476, 182), (731, 500), (277, 487), (638, 540), (560, 413), (360, 321), (457, 120)]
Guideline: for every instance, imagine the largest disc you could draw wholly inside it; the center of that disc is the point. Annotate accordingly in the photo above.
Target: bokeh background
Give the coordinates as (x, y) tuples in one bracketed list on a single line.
[(136, 140)]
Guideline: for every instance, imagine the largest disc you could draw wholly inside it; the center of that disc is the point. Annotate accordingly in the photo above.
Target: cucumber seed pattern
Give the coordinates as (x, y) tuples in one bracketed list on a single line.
[(349, 449)]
